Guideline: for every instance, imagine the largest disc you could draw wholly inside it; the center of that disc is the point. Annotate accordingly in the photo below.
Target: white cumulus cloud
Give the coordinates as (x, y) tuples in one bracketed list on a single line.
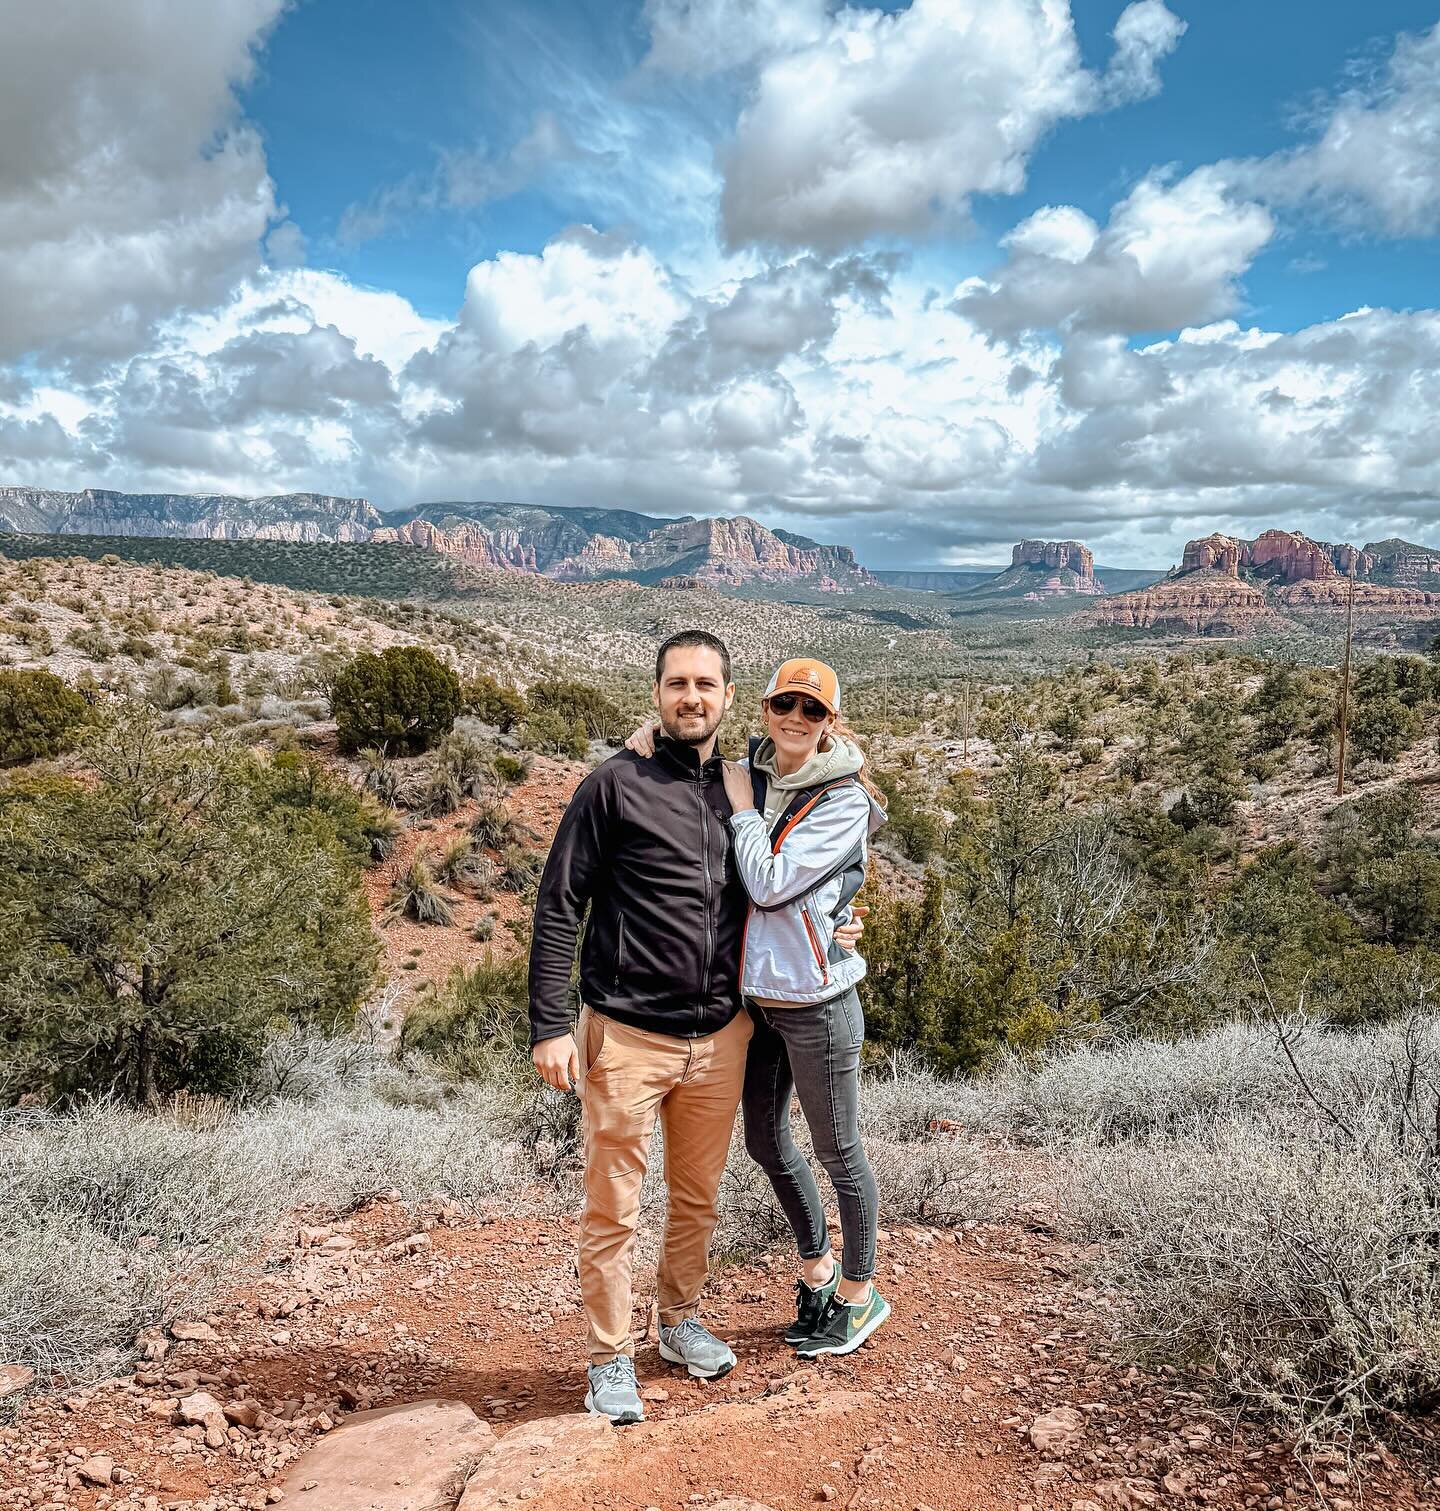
[(710, 36), (1146, 33), (885, 122), (1171, 255), (1376, 161)]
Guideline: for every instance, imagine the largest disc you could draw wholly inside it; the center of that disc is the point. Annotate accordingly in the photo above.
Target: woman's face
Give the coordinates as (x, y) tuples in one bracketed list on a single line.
[(798, 729)]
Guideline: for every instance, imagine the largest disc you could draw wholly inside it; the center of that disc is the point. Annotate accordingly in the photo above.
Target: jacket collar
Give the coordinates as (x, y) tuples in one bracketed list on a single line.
[(686, 757)]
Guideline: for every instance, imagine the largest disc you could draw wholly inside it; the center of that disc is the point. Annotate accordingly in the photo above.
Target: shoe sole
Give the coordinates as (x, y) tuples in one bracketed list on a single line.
[(625, 1418), (671, 1357), (854, 1343)]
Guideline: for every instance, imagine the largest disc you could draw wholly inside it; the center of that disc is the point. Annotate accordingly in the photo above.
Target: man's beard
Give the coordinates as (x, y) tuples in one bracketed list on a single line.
[(686, 734)]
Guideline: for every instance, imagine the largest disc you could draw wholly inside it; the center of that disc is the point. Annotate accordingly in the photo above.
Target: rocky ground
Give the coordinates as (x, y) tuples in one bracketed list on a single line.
[(991, 1387)]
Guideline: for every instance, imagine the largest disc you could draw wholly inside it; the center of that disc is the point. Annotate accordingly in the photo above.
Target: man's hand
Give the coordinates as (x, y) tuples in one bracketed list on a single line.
[(642, 742), (847, 936), (738, 787), (558, 1062)]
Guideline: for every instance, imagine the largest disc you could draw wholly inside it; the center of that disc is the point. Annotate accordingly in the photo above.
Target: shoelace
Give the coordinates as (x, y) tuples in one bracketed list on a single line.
[(619, 1371), (691, 1330)]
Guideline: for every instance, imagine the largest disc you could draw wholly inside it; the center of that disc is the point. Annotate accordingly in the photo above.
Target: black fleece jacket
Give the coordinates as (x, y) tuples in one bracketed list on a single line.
[(645, 843)]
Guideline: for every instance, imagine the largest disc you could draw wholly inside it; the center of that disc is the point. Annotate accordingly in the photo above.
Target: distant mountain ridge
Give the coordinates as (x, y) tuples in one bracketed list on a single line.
[(592, 544), (198, 516), (574, 544)]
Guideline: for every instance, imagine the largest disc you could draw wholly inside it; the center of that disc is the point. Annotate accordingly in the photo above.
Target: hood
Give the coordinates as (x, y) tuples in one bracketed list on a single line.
[(843, 758)]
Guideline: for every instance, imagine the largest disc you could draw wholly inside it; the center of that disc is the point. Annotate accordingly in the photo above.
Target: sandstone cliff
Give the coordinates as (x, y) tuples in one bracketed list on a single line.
[(1208, 601), (1280, 555), (578, 545), (1401, 563), (1229, 586), (1044, 569)]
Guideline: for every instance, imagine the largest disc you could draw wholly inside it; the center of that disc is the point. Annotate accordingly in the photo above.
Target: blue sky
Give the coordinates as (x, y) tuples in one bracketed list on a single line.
[(920, 278), (355, 95)]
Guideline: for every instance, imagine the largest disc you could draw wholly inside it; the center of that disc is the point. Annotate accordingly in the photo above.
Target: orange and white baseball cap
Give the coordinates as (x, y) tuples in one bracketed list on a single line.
[(811, 679)]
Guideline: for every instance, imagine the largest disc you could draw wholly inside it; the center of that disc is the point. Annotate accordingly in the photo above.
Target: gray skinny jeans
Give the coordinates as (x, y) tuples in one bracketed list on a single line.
[(813, 1049)]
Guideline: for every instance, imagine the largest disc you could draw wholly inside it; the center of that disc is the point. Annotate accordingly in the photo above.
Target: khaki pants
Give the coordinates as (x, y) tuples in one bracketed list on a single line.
[(627, 1075)]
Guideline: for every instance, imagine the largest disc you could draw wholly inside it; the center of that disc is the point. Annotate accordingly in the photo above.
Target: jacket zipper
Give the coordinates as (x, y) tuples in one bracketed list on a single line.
[(820, 960), (619, 951), (705, 871)]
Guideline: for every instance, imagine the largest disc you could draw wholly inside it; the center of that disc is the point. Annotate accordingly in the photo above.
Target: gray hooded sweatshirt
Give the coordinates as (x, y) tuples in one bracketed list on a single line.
[(800, 889)]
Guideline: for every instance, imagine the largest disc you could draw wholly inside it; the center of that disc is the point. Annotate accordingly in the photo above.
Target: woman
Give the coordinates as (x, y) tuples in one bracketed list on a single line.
[(803, 813)]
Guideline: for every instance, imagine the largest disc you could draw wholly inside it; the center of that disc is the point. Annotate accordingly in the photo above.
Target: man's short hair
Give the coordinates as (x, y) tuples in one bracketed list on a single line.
[(693, 639)]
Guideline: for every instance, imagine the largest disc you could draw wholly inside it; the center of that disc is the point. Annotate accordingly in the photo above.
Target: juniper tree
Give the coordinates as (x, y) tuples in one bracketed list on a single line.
[(155, 919)]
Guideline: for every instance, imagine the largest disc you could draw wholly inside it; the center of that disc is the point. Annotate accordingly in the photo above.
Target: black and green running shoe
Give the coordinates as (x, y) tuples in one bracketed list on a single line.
[(845, 1325), (810, 1307)]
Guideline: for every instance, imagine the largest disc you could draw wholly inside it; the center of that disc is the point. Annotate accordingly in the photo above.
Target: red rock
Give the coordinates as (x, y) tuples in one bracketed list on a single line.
[(15, 1378), (543, 1455), (724, 552), (193, 1332), (1057, 1431), (397, 1458), (99, 1470)]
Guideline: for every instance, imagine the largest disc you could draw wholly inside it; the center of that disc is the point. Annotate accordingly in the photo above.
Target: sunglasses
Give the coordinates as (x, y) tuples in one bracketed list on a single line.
[(784, 703)]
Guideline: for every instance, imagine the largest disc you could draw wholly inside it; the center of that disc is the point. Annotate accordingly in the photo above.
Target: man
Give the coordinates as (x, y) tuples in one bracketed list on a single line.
[(645, 844)]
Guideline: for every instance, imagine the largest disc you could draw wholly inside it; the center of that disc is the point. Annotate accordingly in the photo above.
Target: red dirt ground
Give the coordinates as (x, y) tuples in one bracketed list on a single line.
[(992, 1327)]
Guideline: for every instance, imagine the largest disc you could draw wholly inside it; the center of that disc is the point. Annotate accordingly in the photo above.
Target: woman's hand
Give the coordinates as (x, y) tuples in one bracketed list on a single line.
[(642, 742), (737, 786), (847, 936)]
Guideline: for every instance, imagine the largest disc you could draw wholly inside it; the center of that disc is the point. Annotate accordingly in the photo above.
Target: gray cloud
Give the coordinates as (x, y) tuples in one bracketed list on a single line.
[(128, 188)]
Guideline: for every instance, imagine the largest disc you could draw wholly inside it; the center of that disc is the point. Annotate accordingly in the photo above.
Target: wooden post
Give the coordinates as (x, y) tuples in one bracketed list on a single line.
[(1345, 684)]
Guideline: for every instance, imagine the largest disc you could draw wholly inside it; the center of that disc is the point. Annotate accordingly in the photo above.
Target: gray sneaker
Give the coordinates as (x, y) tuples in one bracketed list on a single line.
[(692, 1344), (613, 1392)]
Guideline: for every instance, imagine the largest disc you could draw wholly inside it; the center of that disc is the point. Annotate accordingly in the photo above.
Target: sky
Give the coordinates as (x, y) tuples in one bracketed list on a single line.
[(917, 278)]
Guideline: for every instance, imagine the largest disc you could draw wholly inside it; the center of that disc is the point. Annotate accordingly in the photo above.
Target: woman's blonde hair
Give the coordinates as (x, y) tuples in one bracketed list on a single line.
[(839, 727)]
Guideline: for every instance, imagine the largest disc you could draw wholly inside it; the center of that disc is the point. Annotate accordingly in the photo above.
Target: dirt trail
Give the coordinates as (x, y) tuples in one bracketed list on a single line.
[(993, 1328)]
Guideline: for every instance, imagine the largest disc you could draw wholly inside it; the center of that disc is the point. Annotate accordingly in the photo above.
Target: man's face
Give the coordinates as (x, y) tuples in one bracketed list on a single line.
[(692, 694)]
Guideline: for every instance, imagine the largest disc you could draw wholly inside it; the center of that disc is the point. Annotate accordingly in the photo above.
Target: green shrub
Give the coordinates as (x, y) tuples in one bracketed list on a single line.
[(1384, 727), (471, 761), (379, 776), (39, 715), (512, 769), (297, 790), (478, 1021), (416, 895), (600, 717), (477, 1026), (492, 826), (137, 647), (550, 731), (401, 701), (463, 864), (155, 920), (441, 793), (91, 641), (520, 867), (493, 703)]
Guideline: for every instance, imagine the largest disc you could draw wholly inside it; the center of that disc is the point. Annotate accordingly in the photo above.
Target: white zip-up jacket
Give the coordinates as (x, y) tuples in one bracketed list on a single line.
[(801, 879)]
